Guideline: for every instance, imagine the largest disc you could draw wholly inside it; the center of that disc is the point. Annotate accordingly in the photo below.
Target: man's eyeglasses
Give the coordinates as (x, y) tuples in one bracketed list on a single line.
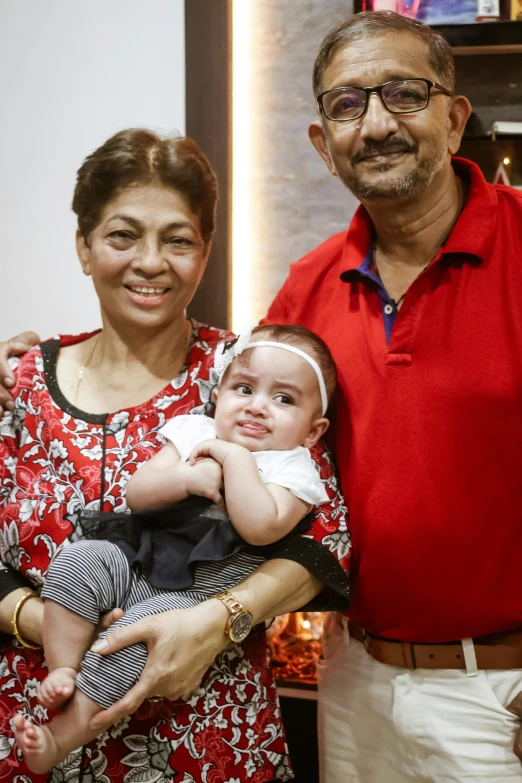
[(403, 96)]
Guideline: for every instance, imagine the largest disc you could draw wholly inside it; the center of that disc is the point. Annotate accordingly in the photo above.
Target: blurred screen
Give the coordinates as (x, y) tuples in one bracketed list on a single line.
[(428, 11)]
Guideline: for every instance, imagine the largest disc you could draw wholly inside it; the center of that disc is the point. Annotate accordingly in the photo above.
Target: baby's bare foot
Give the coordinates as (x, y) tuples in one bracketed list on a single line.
[(37, 744), (57, 688)]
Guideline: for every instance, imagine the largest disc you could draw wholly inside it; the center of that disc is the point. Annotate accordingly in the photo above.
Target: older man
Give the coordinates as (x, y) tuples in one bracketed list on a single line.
[(421, 302)]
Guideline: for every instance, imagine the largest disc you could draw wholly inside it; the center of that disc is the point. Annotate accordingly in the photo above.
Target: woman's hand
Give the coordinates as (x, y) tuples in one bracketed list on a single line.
[(182, 644), (16, 346)]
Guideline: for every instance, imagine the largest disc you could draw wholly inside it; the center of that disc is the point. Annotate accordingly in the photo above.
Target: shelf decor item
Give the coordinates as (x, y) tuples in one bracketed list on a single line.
[(294, 642), (501, 176), (493, 10), (429, 11), (470, 26), (505, 128)]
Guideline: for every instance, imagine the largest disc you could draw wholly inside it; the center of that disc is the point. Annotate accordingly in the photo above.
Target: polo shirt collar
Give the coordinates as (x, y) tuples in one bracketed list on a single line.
[(473, 234)]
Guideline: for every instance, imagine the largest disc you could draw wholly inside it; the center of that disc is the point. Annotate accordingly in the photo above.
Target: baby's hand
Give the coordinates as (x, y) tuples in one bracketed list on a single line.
[(205, 478), (219, 450)]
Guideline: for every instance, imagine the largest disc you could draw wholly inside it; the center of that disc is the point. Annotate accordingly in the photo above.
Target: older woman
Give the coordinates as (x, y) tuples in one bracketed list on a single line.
[(145, 208)]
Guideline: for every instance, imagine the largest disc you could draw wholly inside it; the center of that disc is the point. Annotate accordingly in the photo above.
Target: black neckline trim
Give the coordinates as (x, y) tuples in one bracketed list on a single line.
[(50, 350)]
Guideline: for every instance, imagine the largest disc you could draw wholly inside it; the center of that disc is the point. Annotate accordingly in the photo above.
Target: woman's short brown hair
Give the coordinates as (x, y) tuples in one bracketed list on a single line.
[(140, 157), (370, 24)]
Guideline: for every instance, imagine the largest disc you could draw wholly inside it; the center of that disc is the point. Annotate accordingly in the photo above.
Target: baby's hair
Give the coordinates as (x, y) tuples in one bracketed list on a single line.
[(308, 341)]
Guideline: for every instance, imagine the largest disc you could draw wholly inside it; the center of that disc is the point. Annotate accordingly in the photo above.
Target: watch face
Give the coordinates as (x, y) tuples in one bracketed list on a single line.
[(241, 627)]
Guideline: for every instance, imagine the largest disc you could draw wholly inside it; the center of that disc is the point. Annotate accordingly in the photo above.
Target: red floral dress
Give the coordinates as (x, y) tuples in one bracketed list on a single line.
[(55, 462)]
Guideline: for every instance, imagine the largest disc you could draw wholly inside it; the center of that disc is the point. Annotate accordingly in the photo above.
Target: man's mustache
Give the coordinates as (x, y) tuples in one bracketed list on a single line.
[(375, 147)]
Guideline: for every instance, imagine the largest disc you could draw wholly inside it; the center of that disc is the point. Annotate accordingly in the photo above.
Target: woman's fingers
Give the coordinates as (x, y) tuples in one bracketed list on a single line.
[(182, 643), (122, 637), (125, 706), (140, 631), (152, 683)]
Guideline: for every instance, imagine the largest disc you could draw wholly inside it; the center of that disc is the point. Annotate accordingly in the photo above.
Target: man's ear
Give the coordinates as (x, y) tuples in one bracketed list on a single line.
[(458, 116), (317, 136), (317, 430), (84, 252)]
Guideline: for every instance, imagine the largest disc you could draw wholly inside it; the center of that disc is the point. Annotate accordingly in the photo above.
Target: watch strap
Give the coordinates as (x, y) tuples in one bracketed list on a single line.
[(233, 605)]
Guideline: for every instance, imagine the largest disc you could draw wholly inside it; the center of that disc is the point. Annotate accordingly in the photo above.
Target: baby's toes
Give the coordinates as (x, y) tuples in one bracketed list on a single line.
[(55, 690), (33, 738), (19, 722), (66, 687), (45, 694)]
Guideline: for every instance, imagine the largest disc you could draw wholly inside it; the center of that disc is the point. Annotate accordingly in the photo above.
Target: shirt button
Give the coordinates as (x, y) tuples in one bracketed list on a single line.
[(388, 309)]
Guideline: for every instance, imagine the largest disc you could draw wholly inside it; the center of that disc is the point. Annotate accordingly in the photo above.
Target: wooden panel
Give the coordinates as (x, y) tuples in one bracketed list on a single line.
[(501, 49), (485, 35), (493, 85), (488, 154), (207, 62)]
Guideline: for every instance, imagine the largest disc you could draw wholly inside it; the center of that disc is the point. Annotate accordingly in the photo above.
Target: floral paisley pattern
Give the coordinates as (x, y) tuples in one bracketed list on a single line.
[(56, 462)]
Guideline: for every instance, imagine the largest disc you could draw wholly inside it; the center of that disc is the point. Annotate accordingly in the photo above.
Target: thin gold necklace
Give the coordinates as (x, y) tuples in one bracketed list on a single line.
[(82, 369), (186, 344)]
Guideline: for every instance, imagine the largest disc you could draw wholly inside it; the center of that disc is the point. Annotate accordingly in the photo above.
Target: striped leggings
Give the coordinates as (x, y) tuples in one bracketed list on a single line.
[(92, 577)]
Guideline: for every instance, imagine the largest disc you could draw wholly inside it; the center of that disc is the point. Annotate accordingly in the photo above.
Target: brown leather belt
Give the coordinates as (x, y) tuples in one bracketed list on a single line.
[(496, 651)]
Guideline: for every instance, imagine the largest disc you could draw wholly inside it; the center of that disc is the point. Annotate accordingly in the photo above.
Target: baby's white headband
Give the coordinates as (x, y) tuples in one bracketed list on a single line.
[(227, 352)]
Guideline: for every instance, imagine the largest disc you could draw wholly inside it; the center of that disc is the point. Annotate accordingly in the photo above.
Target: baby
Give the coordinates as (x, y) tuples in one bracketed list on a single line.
[(271, 400)]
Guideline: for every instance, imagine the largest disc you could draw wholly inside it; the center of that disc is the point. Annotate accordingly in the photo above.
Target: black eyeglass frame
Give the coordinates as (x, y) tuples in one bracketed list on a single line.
[(369, 90)]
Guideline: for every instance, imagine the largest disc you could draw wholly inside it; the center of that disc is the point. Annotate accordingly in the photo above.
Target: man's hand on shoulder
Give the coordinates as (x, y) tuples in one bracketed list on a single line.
[(16, 346)]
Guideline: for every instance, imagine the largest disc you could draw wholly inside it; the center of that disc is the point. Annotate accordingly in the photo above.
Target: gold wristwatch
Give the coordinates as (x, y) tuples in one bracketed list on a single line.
[(240, 622)]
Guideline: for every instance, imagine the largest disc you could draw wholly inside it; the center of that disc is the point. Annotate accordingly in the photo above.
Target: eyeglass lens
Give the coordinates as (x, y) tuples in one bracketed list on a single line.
[(399, 97)]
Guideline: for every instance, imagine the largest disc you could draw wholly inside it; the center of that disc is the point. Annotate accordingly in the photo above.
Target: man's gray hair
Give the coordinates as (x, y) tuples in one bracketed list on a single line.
[(371, 24)]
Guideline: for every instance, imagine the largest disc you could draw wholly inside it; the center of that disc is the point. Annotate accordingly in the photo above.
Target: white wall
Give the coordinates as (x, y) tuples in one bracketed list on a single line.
[(72, 73)]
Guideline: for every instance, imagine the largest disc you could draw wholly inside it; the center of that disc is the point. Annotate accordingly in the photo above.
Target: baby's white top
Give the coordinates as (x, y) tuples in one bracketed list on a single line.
[(293, 469)]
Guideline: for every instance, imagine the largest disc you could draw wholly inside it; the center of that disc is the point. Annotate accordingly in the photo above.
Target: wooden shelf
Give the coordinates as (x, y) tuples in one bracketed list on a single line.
[(493, 49), (483, 38), (298, 690)]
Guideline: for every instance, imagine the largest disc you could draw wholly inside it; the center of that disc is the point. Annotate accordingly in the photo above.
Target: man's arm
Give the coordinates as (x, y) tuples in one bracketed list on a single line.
[(16, 346)]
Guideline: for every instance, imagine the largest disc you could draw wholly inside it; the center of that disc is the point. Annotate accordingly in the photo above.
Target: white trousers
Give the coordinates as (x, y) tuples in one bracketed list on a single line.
[(387, 724)]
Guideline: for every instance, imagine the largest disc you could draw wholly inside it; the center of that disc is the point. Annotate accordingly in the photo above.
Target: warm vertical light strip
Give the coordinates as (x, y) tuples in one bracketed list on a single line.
[(241, 159)]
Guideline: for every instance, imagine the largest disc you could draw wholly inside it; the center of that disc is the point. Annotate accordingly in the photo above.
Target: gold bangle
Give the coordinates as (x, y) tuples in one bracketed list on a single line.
[(14, 622)]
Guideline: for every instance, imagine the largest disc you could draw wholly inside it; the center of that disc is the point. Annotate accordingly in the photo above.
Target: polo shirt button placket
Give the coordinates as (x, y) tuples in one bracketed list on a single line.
[(388, 309)]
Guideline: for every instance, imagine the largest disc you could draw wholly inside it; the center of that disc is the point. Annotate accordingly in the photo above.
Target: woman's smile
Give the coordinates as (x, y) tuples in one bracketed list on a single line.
[(146, 295)]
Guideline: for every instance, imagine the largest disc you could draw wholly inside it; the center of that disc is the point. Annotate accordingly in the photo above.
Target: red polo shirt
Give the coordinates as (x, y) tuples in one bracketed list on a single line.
[(428, 428)]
